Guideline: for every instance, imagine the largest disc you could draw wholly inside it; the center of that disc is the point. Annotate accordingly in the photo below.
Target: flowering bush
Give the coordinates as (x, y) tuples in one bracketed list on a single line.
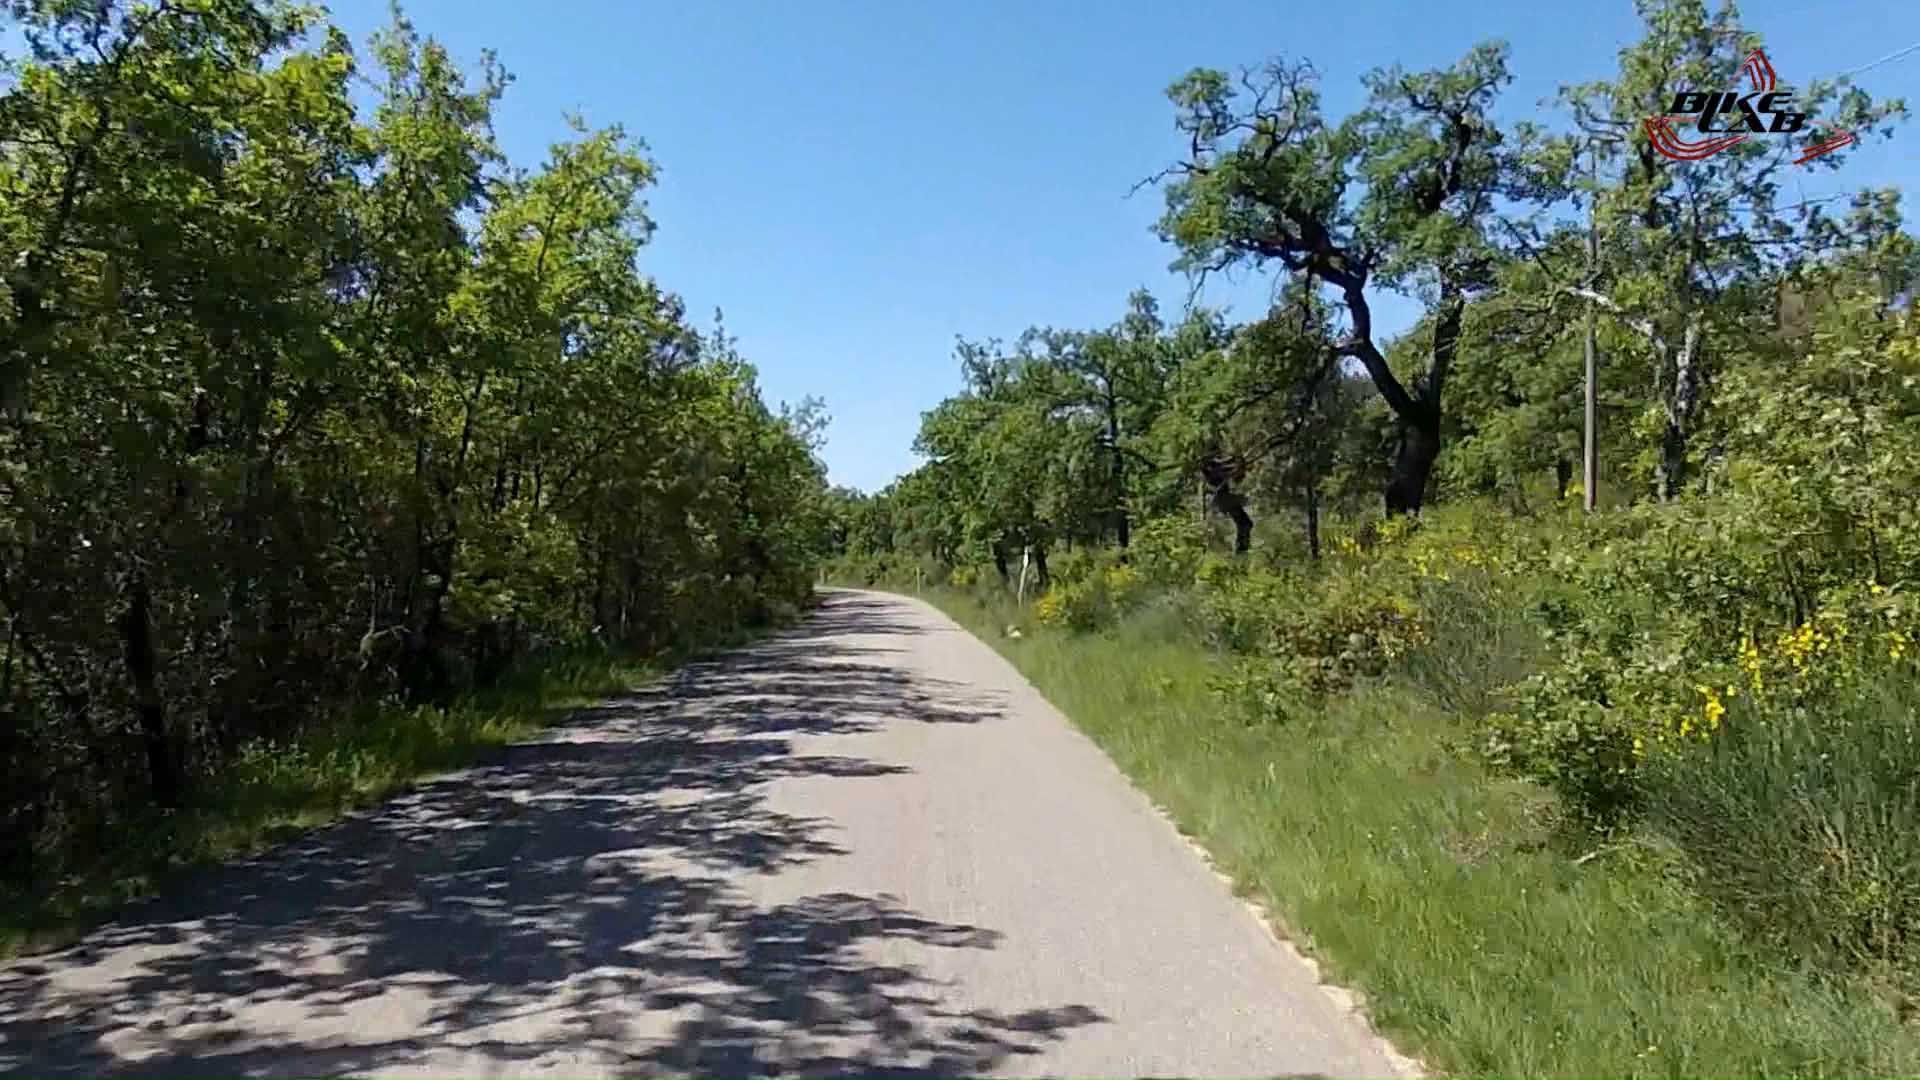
[(1099, 592), (1051, 608), (1316, 636), (1800, 819), (1169, 550), (1672, 628)]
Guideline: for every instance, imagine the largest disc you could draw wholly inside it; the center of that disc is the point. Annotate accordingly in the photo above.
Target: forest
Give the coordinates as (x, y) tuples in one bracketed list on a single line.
[(314, 407), (1708, 655)]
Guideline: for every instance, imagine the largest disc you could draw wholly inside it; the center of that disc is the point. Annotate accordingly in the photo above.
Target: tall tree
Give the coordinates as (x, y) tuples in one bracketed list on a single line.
[(1682, 244), (302, 407), (1398, 195), (1264, 411), (1119, 377)]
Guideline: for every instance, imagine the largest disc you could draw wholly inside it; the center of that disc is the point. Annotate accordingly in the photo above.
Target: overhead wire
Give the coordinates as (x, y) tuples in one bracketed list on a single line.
[(1887, 59)]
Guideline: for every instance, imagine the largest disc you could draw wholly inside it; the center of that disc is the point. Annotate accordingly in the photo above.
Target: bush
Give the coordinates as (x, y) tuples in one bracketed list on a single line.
[(1660, 623), (1353, 629), (1317, 635), (878, 570), (1483, 638), (1801, 823), (1239, 604), (1259, 690), (1093, 593), (1169, 550)]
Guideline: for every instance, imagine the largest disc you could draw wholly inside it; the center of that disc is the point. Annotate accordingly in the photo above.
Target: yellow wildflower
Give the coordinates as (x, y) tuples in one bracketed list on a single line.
[(1714, 708), (1750, 661), (1799, 645), (1050, 608)]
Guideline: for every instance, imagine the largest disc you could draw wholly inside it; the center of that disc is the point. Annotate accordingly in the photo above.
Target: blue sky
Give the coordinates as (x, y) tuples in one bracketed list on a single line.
[(856, 183)]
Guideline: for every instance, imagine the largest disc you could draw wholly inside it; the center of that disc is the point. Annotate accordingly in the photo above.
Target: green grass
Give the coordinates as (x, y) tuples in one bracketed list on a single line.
[(1483, 944), (1801, 825), (271, 793)]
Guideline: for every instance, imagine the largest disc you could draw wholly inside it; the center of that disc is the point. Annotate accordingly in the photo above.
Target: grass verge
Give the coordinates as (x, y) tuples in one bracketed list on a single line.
[(1482, 945), (271, 793)]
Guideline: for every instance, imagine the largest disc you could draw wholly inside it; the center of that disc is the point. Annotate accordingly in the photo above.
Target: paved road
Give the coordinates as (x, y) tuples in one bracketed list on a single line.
[(866, 847)]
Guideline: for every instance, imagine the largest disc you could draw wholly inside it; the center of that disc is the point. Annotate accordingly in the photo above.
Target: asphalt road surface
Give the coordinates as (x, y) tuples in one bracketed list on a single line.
[(864, 847)]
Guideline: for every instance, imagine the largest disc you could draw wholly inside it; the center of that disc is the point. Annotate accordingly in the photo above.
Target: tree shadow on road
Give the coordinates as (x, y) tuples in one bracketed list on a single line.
[(829, 677), (570, 905)]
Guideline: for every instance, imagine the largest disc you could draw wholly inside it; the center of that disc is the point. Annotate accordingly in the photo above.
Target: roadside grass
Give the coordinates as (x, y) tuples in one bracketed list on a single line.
[(272, 792), (1484, 943)]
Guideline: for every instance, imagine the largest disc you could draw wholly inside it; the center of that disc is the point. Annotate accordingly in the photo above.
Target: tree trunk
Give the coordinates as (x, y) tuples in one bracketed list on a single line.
[(1242, 526), (1672, 470), (1219, 477), (1412, 465), (1000, 563), (1313, 519), (136, 631), (427, 673), (1042, 579), (1122, 527), (1234, 505), (1418, 411), (6, 666), (1562, 475), (1683, 402)]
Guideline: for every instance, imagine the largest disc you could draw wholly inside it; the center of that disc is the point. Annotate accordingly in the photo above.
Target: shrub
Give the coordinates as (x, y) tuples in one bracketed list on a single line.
[(1658, 629), (1355, 628), (1483, 639), (1074, 565), (1169, 550), (1258, 690), (1800, 823), (1239, 605), (1097, 593), (1317, 635)]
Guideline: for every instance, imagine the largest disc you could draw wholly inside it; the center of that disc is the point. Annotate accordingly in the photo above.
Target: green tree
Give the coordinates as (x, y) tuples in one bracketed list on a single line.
[(301, 408), (1263, 413), (1399, 195), (1686, 249)]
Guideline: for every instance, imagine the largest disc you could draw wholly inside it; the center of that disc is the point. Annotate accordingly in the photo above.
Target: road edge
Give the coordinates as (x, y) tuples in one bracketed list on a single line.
[(1348, 1001)]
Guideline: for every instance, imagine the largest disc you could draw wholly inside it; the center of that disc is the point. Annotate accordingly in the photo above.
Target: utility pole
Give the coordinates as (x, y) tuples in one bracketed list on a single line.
[(1590, 477)]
